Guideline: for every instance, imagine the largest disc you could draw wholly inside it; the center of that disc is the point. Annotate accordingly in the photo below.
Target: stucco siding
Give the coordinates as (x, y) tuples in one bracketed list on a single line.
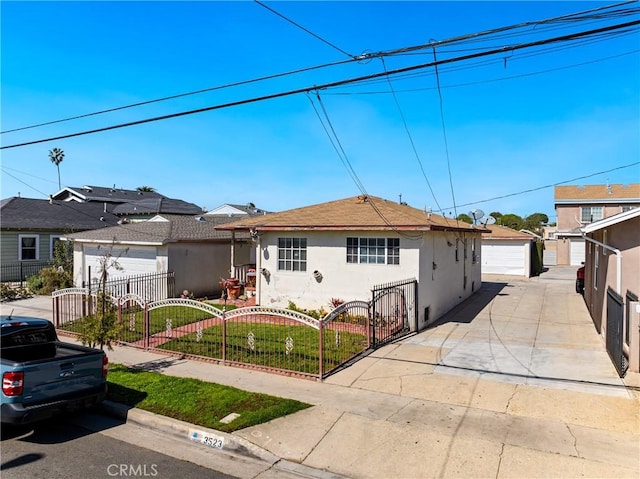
[(326, 253), (440, 288)]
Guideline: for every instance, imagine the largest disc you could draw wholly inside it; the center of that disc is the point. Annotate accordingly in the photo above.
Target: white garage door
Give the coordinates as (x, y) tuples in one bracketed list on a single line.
[(133, 261), (499, 258), (576, 252)]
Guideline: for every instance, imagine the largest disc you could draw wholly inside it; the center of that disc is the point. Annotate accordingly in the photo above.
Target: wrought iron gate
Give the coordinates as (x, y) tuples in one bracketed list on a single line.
[(615, 314), (394, 311)]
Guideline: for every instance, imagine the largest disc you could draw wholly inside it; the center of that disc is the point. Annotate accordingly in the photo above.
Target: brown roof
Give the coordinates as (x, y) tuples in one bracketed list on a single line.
[(357, 213), (171, 229), (504, 233), (598, 192)]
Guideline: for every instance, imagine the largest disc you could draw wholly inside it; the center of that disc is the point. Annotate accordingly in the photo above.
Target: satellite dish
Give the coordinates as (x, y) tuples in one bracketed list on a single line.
[(476, 215), (489, 220)]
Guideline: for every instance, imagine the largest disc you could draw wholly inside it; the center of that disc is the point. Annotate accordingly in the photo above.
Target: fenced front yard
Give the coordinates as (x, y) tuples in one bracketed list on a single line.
[(272, 339)]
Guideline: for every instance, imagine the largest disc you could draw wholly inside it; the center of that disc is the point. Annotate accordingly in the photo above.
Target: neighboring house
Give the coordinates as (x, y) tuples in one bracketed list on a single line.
[(237, 210), (507, 251), (612, 281), (131, 205), (30, 228), (187, 245), (577, 206), (342, 249)]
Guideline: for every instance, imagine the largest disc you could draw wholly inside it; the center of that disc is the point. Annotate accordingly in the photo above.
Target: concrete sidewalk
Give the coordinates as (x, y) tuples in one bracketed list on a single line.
[(513, 383)]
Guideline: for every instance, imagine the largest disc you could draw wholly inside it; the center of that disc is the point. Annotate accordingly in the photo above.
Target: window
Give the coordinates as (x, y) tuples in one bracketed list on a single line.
[(28, 247), (373, 250), (292, 254), (627, 208), (591, 213), (53, 241)]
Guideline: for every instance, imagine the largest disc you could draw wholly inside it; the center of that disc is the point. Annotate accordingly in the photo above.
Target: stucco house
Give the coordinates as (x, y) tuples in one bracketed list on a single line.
[(612, 284), (30, 228), (577, 206), (190, 246), (341, 249), (508, 252)]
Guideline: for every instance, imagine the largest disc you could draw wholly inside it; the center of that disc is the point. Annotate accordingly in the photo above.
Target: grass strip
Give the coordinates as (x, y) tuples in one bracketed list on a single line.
[(194, 401)]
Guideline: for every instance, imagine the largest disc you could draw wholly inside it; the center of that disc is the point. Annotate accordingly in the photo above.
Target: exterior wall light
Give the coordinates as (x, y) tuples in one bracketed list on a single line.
[(317, 275)]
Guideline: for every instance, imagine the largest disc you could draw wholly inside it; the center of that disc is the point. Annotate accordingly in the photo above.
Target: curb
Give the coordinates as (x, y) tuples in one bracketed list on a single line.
[(233, 445)]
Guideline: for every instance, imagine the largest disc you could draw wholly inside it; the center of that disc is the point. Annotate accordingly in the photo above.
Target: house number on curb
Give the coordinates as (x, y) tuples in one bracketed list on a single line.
[(206, 438)]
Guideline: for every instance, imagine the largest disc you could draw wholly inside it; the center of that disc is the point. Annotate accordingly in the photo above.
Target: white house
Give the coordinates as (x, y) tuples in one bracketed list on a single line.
[(341, 249), (507, 251)]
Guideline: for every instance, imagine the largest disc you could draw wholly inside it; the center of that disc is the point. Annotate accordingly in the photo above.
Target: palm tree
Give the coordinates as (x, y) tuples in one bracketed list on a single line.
[(56, 156), (148, 189)]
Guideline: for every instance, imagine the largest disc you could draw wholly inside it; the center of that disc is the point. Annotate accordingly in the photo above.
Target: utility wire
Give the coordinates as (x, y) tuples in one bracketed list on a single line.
[(305, 29), (546, 186), (444, 133), (468, 38), (568, 37)]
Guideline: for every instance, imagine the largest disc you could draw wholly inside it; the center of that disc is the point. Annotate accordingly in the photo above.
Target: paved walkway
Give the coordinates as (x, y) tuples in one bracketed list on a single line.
[(513, 383)]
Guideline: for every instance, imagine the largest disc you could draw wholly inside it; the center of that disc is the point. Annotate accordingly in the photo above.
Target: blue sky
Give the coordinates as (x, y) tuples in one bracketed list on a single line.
[(516, 121)]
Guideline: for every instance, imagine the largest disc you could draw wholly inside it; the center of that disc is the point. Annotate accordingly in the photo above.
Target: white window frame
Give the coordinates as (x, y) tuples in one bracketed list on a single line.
[(592, 216), (292, 254), (37, 247), (360, 250)]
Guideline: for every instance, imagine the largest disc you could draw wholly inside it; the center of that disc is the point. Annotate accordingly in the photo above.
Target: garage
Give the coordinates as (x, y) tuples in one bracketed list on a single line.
[(501, 258), (132, 260), (576, 251)]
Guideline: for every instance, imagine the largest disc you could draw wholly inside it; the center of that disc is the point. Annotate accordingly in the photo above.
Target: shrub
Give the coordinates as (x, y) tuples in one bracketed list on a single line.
[(49, 280), (11, 293)]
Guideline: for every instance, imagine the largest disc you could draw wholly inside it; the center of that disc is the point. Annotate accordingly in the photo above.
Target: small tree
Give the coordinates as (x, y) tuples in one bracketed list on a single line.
[(56, 156), (102, 328)]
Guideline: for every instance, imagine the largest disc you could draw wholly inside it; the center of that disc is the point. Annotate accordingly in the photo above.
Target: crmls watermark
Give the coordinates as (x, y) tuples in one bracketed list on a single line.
[(132, 470)]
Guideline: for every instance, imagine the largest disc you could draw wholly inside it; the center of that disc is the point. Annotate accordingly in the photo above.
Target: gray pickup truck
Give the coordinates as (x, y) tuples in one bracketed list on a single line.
[(42, 376)]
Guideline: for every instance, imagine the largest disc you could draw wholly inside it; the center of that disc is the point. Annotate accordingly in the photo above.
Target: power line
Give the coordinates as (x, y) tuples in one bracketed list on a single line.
[(568, 37), (546, 186), (462, 39), (305, 29)]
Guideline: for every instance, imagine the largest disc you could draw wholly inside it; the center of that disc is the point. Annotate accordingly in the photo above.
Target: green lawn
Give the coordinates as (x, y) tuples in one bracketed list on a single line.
[(194, 401)]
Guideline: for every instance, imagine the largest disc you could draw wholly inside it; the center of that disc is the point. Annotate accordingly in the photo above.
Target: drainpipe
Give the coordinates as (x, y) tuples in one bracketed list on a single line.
[(618, 254)]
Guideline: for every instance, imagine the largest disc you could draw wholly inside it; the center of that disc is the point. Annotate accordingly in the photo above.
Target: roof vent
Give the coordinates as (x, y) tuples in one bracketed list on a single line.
[(200, 219)]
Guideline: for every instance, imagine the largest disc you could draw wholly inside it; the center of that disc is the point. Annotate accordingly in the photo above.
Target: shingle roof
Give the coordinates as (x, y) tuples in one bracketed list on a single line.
[(356, 214), (157, 205), (162, 229), (598, 193), (505, 233), (101, 193), (36, 214)]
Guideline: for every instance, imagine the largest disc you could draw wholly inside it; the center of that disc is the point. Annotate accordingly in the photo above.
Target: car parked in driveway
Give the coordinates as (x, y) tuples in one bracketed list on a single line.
[(580, 280)]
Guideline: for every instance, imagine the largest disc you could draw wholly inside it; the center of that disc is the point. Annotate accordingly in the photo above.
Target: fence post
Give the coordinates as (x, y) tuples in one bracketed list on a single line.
[(368, 326), (224, 334), (145, 326), (320, 351)]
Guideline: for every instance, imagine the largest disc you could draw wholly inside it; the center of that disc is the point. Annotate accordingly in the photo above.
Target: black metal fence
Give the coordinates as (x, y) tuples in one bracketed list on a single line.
[(394, 311), (614, 334), (151, 286), (19, 271)]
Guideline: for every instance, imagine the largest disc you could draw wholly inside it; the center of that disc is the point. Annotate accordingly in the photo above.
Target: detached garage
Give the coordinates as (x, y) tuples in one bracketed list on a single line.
[(507, 251), (131, 260)]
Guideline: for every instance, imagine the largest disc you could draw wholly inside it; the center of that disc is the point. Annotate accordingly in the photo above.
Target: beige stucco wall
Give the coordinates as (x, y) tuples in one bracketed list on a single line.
[(439, 289), (624, 237)]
